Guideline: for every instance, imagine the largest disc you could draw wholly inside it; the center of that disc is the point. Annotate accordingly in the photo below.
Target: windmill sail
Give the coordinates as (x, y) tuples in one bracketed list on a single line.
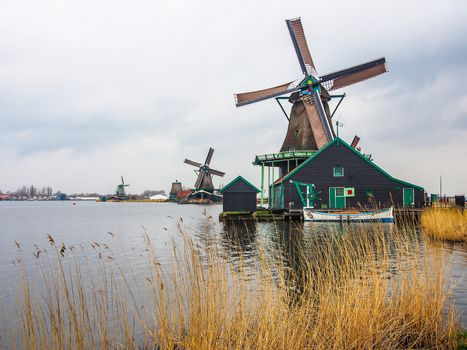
[(264, 94), (354, 75), (319, 131), (301, 47), (209, 156), (216, 172), (202, 182), (187, 161)]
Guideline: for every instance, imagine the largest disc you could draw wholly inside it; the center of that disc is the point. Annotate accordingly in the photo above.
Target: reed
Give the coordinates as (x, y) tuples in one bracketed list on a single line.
[(447, 224), (359, 287)]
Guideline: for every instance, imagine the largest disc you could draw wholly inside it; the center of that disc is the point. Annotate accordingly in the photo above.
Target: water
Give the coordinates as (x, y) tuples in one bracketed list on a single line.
[(83, 225)]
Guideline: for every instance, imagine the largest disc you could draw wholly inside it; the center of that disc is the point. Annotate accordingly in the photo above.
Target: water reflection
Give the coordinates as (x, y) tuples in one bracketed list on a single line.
[(239, 238), (289, 245)]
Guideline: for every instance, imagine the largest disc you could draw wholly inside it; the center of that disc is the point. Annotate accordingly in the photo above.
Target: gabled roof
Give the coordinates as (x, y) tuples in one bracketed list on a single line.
[(338, 139), (238, 178)]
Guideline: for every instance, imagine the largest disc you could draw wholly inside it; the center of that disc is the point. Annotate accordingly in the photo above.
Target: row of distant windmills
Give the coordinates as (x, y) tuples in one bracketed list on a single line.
[(203, 184)]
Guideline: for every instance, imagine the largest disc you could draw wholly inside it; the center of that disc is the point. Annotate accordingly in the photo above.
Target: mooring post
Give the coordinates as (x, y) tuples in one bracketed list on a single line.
[(269, 187), (262, 183), (273, 189)]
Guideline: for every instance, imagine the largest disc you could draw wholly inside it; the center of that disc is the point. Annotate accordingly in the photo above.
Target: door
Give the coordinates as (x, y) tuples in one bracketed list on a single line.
[(336, 198), (409, 198)]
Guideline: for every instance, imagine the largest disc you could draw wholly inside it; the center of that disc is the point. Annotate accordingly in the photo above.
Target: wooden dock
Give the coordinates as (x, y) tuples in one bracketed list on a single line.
[(400, 214)]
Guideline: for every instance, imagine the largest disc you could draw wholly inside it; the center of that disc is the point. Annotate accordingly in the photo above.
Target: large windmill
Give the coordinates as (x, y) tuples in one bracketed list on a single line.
[(310, 125), (205, 173), (120, 192)]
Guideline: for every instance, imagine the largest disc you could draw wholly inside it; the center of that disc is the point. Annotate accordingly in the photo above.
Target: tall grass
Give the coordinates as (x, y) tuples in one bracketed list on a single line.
[(447, 224), (362, 287)]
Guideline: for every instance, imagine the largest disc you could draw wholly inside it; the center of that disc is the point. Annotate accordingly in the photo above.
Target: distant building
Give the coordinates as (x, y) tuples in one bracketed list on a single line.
[(61, 197), (339, 176), (5, 197), (175, 190), (159, 197), (239, 196), (183, 194)]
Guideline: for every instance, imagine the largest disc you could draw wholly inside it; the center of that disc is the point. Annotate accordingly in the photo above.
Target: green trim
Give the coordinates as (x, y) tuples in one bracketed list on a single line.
[(262, 184), (282, 156), (342, 142), (299, 190), (235, 180), (281, 201)]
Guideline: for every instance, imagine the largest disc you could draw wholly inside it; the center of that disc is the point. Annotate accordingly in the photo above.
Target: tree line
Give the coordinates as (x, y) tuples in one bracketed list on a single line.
[(47, 191), (33, 191)]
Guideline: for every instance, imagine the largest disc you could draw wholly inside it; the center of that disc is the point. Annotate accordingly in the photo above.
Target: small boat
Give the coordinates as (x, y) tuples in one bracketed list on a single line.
[(383, 215)]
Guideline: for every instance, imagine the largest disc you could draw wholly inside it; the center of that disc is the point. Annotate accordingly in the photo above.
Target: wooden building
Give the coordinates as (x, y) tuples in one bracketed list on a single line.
[(175, 190), (239, 196), (339, 176)]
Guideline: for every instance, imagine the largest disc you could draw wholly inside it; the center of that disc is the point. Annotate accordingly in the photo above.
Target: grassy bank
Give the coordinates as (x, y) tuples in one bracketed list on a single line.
[(447, 224), (363, 288)]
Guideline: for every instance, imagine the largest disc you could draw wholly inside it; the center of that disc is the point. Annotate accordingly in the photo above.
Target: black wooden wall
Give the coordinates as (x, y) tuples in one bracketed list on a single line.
[(239, 197), (358, 174), (239, 201)]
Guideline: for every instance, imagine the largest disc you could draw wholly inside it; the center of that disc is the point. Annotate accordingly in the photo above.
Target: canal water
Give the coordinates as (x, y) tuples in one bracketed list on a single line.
[(82, 226)]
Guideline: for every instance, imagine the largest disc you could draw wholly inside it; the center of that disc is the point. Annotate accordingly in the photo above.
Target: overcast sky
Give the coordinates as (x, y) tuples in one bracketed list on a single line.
[(91, 90)]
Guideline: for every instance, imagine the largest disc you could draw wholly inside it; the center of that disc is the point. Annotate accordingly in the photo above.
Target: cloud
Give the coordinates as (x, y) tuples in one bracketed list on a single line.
[(93, 90)]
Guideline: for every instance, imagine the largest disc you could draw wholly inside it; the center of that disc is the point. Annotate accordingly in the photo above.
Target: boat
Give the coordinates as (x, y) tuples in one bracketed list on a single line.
[(383, 215)]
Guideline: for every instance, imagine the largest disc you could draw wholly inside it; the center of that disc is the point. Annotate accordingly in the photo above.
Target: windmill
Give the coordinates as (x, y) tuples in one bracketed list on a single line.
[(205, 173), (310, 126), (120, 192)]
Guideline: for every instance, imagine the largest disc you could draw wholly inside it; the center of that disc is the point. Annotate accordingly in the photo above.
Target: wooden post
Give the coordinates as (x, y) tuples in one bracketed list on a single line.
[(273, 191), (262, 183)]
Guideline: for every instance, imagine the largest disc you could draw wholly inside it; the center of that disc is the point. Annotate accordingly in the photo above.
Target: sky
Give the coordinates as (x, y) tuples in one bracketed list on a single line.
[(93, 90)]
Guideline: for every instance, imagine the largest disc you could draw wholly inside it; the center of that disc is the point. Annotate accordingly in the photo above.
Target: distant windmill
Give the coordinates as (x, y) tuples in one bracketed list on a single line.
[(121, 189), (205, 173), (176, 189), (310, 125)]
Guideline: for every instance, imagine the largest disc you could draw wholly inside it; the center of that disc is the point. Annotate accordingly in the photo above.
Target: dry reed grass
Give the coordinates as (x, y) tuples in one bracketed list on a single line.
[(447, 224), (363, 288)]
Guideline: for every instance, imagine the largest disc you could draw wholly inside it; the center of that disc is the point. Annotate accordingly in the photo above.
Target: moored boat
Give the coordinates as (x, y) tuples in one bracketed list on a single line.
[(383, 215)]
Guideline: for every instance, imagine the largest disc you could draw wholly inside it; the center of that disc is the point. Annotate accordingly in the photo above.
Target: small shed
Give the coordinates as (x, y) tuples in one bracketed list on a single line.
[(239, 195)]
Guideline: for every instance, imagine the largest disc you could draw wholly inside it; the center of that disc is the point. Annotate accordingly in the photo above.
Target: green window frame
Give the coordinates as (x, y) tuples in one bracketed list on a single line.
[(338, 171), (339, 192)]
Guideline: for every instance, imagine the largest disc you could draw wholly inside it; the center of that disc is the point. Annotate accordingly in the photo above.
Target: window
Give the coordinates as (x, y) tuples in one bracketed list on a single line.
[(339, 192), (338, 171)]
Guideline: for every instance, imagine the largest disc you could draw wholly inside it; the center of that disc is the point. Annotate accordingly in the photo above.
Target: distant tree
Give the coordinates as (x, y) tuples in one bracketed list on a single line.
[(86, 194), (135, 196)]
